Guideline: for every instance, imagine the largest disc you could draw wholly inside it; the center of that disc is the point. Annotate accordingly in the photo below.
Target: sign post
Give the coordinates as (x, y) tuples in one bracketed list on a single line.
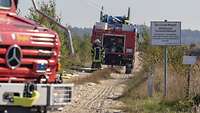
[(165, 70), (165, 33), (190, 60)]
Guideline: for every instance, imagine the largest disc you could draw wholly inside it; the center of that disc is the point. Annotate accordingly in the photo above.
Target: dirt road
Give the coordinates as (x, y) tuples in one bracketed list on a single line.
[(99, 98)]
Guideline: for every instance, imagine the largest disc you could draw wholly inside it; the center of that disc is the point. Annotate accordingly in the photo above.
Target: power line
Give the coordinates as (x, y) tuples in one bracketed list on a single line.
[(93, 4)]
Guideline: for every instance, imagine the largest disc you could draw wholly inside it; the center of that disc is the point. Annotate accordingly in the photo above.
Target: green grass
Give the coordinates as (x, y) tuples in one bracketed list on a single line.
[(154, 105), (137, 101)]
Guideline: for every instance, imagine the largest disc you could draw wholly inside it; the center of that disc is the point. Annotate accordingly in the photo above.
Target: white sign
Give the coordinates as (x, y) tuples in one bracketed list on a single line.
[(189, 59), (165, 33)]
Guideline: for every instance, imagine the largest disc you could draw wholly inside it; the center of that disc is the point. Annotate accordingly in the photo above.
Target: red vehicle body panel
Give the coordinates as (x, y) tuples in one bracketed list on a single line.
[(120, 58), (35, 43), (129, 37)]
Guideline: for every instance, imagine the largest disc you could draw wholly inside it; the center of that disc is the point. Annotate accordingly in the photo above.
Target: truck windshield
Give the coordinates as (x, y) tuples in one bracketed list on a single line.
[(5, 4)]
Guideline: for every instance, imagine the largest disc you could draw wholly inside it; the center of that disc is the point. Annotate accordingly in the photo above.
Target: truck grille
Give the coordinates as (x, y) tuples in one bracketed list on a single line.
[(29, 54)]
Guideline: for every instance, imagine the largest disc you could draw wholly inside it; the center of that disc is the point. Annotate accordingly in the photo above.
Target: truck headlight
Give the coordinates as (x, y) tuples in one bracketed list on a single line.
[(41, 66), (61, 95)]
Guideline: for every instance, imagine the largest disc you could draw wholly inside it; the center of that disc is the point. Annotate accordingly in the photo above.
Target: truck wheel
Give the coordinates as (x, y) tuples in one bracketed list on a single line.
[(128, 69)]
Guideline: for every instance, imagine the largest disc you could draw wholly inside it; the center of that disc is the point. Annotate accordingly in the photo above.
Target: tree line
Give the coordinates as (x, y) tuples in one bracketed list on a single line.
[(82, 45)]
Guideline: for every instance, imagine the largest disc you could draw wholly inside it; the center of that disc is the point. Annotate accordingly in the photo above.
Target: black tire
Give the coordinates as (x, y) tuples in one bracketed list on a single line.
[(128, 69)]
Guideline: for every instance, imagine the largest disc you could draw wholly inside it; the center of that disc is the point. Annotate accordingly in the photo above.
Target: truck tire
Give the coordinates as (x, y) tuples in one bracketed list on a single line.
[(128, 69)]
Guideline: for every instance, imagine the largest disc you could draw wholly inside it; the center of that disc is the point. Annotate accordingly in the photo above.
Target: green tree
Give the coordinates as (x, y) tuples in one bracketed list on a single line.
[(81, 44), (82, 47), (49, 8), (85, 49)]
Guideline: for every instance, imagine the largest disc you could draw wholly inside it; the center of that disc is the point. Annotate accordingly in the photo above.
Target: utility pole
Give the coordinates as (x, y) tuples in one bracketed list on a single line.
[(150, 81), (188, 81), (192, 46), (165, 69)]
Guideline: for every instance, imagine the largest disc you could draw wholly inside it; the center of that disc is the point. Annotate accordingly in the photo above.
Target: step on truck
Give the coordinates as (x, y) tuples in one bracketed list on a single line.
[(29, 65), (117, 37)]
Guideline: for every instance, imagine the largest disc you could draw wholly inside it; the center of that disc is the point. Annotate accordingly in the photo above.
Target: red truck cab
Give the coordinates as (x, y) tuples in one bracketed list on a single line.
[(118, 40), (28, 51), (29, 65)]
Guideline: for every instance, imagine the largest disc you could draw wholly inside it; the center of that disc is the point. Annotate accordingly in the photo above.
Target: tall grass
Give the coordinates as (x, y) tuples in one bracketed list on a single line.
[(151, 57)]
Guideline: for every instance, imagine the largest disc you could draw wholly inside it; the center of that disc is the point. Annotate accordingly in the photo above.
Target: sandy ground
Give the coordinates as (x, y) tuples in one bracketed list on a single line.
[(99, 98)]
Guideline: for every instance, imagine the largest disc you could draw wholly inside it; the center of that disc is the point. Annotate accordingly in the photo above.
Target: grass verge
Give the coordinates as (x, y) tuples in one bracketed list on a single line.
[(136, 99)]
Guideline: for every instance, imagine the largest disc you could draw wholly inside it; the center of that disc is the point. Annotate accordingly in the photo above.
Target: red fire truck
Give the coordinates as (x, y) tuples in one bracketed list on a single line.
[(29, 65), (117, 36)]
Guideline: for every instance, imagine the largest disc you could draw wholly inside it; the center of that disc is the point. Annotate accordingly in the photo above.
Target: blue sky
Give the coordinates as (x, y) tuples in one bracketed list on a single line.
[(84, 13)]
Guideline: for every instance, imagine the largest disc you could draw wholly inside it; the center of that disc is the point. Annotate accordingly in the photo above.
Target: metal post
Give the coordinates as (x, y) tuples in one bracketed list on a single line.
[(188, 82), (150, 81), (165, 70)]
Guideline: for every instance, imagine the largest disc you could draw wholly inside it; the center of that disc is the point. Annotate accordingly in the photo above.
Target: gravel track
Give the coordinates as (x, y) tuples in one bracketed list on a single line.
[(99, 98), (96, 98)]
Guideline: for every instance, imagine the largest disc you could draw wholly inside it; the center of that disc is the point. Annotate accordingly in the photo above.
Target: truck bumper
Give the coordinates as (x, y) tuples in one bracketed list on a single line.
[(118, 59), (49, 94)]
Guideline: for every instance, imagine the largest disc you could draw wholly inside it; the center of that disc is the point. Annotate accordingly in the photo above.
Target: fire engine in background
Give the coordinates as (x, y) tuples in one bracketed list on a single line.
[(117, 37), (29, 65)]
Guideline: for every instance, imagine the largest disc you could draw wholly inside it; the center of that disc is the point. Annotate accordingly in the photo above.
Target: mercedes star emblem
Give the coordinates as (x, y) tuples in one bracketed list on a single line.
[(13, 56)]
